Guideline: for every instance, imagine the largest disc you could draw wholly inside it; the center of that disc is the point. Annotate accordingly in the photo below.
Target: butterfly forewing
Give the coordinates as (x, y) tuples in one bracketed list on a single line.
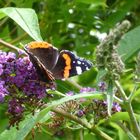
[(47, 55)]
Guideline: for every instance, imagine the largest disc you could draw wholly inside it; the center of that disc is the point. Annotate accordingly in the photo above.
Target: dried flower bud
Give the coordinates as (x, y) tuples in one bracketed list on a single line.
[(107, 55)]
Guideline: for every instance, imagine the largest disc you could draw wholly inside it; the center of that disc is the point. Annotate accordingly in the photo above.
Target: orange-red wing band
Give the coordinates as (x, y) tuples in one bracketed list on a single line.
[(68, 65), (35, 45)]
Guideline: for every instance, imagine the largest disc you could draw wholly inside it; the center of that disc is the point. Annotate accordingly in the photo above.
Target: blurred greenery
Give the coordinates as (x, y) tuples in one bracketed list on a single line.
[(79, 26)]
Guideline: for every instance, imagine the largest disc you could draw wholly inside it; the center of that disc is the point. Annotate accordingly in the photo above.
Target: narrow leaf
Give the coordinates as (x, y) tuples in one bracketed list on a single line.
[(24, 128), (110, 97), (93, 95)]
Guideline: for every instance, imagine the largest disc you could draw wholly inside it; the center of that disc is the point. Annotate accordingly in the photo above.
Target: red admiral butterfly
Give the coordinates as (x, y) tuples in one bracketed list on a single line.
[(52, 64)]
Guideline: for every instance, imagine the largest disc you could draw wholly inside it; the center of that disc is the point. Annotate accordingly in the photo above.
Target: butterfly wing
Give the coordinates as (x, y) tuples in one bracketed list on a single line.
[(69, 64), (44, 52), (44, 74)]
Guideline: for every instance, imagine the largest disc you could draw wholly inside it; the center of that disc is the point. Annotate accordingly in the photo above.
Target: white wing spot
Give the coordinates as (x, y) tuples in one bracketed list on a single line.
[(78, 62), (73, 62), (87, 68), (83, 63), (78, 70)]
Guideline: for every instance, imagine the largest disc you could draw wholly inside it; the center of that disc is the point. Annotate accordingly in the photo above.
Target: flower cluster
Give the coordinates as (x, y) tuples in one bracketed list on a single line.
[(93, 110), (99, 108), (19, 84)]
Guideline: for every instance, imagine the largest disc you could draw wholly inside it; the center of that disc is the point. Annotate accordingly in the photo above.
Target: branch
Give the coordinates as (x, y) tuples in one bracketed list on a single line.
[(120, 89), (83, 123), (129, 109), (12, 47)]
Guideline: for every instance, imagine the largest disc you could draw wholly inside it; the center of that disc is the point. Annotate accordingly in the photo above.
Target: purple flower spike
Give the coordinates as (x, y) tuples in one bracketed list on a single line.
[(3, 91), (11, 56), (1, 69), (2, 95), (20, 82)]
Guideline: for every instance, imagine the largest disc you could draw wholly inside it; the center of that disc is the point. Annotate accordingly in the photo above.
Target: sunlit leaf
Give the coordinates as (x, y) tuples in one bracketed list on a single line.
[(26, 18), (94, 95), (25, 128)]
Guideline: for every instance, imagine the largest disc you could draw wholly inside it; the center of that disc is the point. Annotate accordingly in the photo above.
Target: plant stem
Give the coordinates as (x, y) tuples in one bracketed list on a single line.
[(126, 130), (12, 46), (121, 90), (81, 134), (132, 93), (83, 123), (135, 125), (129, 109)]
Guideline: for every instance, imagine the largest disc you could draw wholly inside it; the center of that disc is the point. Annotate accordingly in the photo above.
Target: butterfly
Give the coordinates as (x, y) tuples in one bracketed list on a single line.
[(51, 64)]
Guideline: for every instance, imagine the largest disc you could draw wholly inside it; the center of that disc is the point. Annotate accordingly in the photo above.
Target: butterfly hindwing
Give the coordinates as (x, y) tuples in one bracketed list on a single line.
[(69, 64)]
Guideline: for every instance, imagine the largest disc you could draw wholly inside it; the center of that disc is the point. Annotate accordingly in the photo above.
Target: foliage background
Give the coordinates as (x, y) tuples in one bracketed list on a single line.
[(77, 25)]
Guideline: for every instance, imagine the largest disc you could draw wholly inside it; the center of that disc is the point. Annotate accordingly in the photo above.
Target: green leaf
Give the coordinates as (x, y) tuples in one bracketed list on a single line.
[(131, 136), (100, 75), (94, 2), (110, 97), (122, 134), (116, 15), (129, 44), (122, 116), (26, 18), (25, 128), (2, 15)]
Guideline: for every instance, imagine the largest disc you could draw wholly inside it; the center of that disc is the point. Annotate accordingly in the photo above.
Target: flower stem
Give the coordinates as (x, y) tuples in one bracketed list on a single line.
[(132, 93), (135, 125), (121, 90), (83, 123), (127, 103), (12, 46)]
